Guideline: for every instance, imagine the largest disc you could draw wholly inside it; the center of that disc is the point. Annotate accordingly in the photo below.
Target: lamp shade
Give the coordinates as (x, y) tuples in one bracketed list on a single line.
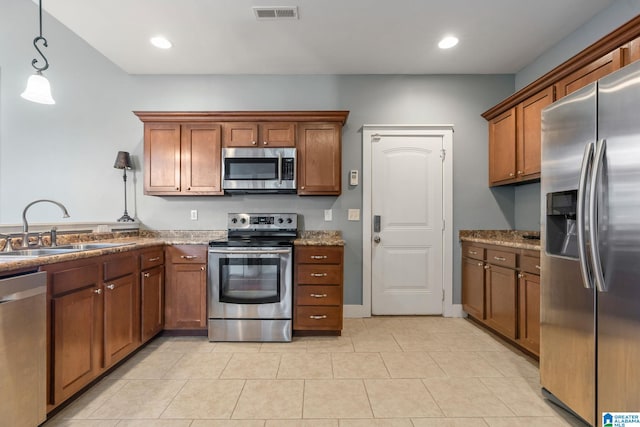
[(123, 160), (38, 90)]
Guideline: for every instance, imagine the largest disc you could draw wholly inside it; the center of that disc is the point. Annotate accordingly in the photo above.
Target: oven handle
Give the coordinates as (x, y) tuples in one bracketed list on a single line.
[(279, 168), (251, 252)]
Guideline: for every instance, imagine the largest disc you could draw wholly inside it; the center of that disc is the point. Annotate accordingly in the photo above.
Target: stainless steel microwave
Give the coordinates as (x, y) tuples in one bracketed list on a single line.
[(259, 170)]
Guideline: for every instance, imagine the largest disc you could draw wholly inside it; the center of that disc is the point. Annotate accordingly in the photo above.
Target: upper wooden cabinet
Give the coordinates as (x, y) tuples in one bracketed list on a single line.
[(182, 159), (319, 159), (590, 73), (251, 134), (514, 141)]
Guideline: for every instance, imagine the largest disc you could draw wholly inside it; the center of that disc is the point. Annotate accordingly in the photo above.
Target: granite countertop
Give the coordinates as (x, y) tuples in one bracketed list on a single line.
[(319, 238), (510, 238)]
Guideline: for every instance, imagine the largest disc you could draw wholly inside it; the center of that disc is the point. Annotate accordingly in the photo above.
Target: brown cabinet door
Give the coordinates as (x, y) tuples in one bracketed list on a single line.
[(121, 318), (529, 312), (529, 118), (152, 302), (502, 148), (240, 134), (186, 296), (501, 300), (161, 158), (633, 51), (278, 134), (75, 347), (201, 162), (590, 73), (473, 287), (319, 159)]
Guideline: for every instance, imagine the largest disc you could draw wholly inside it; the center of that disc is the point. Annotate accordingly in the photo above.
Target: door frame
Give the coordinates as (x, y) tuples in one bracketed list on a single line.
[(369, 133)]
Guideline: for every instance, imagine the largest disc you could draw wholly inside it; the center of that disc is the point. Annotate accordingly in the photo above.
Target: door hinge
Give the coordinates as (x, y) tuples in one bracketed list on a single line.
[(443, 295), (444, 225), (443, 154)]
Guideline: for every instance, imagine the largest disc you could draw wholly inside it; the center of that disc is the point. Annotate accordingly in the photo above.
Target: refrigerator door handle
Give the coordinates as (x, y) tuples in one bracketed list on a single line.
[(593, 215), (587, 159)]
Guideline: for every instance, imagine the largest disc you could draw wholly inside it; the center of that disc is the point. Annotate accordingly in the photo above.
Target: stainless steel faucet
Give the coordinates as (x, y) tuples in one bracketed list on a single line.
[(25, 224)]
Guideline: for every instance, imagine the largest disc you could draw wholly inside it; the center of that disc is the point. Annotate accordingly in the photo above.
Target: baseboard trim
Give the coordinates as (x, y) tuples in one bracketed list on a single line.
[(355, 311), (454, 310)]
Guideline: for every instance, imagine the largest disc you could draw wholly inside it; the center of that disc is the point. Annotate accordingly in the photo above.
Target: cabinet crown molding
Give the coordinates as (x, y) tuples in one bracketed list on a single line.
[(339, 116)]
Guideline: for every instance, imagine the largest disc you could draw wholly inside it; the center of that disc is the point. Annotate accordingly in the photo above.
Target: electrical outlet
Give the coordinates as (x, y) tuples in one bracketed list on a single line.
[(353, 214), (194, 214), (328, 215)]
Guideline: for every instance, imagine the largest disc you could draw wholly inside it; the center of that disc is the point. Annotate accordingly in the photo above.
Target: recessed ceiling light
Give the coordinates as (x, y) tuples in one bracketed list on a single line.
[(161, 42), (448, 42)]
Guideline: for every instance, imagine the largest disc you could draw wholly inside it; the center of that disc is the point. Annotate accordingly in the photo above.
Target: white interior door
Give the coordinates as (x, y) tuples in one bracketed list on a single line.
[(407, 251)]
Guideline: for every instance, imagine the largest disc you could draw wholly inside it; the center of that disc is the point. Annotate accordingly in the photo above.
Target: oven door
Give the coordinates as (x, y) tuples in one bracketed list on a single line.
[(250, 283)]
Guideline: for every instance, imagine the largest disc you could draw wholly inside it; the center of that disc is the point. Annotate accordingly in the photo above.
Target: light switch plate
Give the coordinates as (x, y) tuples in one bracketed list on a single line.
[(353, 214), (194, 214), (353, 177), (328, 215)]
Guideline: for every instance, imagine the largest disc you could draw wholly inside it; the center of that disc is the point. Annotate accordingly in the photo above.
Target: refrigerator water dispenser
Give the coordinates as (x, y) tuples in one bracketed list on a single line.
[(561, 224)]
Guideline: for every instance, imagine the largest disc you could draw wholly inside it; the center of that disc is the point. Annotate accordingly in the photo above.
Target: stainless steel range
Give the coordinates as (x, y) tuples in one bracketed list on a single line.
[(250, 279)]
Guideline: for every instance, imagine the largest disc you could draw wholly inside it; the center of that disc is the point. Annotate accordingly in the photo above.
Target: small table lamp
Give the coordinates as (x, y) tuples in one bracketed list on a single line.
[(123, 161)]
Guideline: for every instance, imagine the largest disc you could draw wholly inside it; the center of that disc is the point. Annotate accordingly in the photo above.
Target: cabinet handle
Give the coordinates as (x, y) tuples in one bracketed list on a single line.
[(302, 188), (177, 188), (253, 143), (111, 286), (473, 252), (201, 268), (520, 275), (520, 172), (499, 258), (188, 188), (538, 267), (480, 264), (97, 291), (486, 267), (265, 143), (318, 317), (318, 295), (188, 256), (318, 257), (511, 174), (318, 274), (147, 274), (154, 259)]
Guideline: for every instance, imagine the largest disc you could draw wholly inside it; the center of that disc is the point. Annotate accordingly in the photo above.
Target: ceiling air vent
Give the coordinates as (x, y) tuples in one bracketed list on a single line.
[(279, 12)]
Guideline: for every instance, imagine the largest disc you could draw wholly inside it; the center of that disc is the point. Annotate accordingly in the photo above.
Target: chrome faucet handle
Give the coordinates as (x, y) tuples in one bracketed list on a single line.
[(8, 247), (54, 236), (40, 242)]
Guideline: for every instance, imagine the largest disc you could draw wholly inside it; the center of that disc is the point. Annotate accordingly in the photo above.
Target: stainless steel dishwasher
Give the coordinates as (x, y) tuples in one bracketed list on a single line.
[(23, 349)]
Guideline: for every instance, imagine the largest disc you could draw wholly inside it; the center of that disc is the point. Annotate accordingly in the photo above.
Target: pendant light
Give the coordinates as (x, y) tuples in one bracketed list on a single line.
[(38, 87)]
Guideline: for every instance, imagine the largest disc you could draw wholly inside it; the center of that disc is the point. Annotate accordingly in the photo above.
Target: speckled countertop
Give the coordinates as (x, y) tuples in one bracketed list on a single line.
[(138, 240), (511, 238)]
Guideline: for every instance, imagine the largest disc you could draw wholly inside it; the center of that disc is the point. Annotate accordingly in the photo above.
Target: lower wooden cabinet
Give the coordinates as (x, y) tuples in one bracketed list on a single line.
[(186, 287), (318, 289), (501, 300), (151, 293), (529, 311), (473, 287)]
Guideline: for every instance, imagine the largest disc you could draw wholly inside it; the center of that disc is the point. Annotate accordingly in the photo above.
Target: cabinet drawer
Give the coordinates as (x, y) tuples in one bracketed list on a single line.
[(505, 259), (319, 254), (150, 259), (69, 279), (187, 254), (318, 295), (319, 274), (318, 317), (530, 264), (119, 266), (474, 252)]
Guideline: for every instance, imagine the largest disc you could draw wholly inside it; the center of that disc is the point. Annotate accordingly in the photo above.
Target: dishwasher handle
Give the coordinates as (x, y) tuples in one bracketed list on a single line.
[(21, 287)]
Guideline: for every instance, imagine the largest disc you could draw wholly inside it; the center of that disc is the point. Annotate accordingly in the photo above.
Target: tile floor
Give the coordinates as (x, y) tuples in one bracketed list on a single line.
[(383, 371)]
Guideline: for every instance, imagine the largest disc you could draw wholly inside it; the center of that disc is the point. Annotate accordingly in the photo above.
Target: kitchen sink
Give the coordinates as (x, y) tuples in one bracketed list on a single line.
[(37, 252), (13, 258), (90, 246)]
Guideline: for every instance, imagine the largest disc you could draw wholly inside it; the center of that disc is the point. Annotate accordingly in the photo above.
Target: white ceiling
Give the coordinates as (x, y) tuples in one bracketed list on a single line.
[(330, 36)]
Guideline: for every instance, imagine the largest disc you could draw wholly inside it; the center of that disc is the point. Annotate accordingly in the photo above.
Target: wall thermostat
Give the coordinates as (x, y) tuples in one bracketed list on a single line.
[(353, 177)]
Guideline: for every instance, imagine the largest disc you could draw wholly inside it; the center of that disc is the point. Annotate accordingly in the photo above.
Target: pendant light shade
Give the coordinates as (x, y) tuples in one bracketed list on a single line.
[(38, 90), (38, 87)]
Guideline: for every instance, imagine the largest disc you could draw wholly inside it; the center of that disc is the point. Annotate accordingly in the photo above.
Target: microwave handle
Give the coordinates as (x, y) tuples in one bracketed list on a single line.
[(279, 168)]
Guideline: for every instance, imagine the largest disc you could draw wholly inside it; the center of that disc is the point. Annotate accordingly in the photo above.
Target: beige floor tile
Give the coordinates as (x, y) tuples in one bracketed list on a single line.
[(301, 423), (196, 345), (58, 422), (228, 423), (153, 366), (252, 366), (305, 366), (270, 399), (465, 397), (139, 399), (237, 347), (464, 364), (351, 326), (470, 342), (448, 422), (517, 394), (528, 422), (414, 364), (295, 346), (358, 365), (420, 341), (336, 399), (399, 398), (375, 342), (329, 344), (385, 422), (154, 423), (205, 399), (92, 399), (511, 364), (199, 366)]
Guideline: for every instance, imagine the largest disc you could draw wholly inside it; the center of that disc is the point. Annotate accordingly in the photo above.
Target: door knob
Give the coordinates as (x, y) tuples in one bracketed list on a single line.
[(376, 239)]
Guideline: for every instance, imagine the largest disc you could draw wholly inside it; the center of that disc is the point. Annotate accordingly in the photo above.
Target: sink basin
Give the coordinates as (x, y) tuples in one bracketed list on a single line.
[(37, 252), (90, 246), (14, 258)]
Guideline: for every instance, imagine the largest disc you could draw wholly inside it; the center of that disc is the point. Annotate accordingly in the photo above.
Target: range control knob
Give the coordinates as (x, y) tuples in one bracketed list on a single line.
[(243, 220), (289, 220), (280, 220), (234, 220)]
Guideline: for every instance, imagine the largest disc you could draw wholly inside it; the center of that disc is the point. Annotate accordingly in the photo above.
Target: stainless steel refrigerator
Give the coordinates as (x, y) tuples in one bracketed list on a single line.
[(590, 237)]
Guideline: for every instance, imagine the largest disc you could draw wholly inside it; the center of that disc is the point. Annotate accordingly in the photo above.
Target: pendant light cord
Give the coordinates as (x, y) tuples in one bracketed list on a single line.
[(44, 43)]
